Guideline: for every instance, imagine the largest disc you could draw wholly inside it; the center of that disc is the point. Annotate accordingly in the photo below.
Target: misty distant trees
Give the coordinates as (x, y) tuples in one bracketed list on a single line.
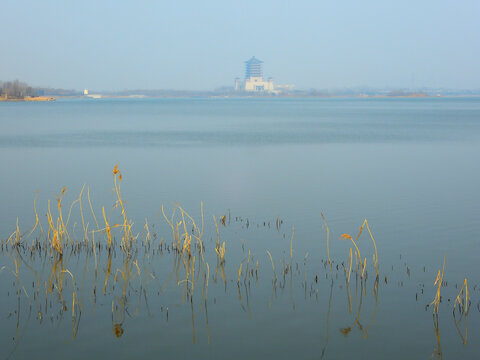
[(19, 90), (15, 90)]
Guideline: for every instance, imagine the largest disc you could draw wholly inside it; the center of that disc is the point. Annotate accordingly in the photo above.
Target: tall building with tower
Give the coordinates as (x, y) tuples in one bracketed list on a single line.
[(254, 78)]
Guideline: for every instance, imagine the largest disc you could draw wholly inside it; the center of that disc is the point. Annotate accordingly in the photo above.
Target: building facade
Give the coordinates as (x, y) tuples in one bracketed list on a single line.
[(254, 81)]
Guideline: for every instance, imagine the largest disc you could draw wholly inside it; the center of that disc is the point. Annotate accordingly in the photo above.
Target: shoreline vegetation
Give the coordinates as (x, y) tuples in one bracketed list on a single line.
[(160, 94), (228, 96), (225, 96), (28, 98), (20, 91)]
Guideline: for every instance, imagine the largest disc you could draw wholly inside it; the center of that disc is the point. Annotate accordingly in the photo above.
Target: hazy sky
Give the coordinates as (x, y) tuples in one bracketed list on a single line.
[(201, 44)]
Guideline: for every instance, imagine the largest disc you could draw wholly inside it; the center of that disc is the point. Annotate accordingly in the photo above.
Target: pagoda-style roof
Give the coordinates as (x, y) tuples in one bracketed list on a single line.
[(253, 60)]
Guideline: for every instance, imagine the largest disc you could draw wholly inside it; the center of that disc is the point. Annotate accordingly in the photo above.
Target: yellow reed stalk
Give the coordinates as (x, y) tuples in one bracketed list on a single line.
[(18, 234), (54, 273), (199, 233), (438, 280), (437, 352), (346, 236), (62, 228), (79, 200), (248, 263), (170, 222), (85, 234), (107, 229), (138, 269), (177, 233), (10, 238), (186, 244), (70, 212), (185, 231), (108, 272), (37, 221), (56, 243), (55, 231), (463, 294), (147, 232), (49, 218), (221, 252), (74, 295), (218, 236), (375, 257), (239, 273), (273, 265), (128, 236), (188, 238), (91, 208), (350, 258), (328, 237), (364, 267)]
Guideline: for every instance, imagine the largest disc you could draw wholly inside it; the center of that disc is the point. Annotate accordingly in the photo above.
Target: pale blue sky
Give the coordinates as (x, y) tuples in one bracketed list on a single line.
[(114, 45)]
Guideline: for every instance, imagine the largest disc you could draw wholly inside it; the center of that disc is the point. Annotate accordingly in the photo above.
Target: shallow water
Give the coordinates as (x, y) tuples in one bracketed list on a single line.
[(407, 165)]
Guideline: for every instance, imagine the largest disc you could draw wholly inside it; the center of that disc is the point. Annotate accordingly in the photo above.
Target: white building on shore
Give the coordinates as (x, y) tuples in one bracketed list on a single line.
[(254, 81)]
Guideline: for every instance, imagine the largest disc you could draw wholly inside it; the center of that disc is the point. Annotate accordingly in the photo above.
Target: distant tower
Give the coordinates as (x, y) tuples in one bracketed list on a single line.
[(254, 78), (253, 68)]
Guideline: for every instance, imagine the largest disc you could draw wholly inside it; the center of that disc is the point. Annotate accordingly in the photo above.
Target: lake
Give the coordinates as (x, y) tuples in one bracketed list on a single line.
[(266, 169)]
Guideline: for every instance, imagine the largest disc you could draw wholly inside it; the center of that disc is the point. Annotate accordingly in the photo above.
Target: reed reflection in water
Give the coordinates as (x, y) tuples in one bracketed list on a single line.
[(66, 269)]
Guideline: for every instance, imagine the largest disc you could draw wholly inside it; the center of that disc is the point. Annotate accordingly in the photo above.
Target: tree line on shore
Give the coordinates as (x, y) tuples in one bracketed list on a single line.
[(19, 90), (16, 90)]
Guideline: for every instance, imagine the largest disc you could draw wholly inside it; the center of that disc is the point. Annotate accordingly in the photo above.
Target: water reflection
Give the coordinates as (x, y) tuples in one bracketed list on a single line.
[(461, 309), (437, 352), (328, 319), (357, 323), (141, 274)]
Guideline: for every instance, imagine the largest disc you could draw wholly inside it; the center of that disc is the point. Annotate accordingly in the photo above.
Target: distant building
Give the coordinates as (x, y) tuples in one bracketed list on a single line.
[(254, 81), (254, 78), (285, 87), (238, 84), (91, 96)]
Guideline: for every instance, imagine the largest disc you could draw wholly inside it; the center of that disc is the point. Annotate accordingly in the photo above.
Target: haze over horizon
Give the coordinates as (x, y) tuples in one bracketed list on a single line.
[(190, 45)]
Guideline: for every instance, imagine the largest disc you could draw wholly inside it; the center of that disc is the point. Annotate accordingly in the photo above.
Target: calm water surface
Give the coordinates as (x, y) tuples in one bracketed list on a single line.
[(409, 166)]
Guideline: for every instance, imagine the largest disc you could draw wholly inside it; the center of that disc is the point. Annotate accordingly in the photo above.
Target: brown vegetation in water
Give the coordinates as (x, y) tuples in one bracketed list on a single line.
[(59, 240)]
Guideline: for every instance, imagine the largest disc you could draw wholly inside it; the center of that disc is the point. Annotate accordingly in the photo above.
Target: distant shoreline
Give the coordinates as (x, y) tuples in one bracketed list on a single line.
[(260, 96), (28, 98), (230, 96)]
